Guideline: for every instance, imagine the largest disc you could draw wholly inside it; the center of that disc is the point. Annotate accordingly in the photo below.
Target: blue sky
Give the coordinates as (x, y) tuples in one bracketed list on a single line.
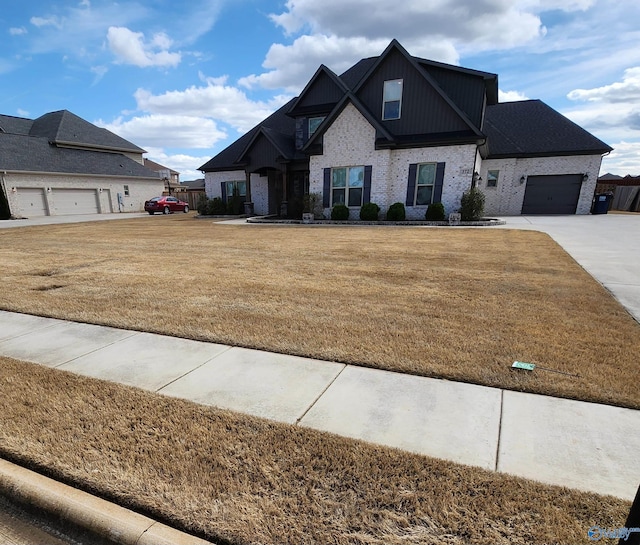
[(183, 80)]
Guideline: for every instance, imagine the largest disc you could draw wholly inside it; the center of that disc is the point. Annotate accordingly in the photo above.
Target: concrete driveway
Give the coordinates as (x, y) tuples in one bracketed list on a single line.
[(76, 218), (607, 246)]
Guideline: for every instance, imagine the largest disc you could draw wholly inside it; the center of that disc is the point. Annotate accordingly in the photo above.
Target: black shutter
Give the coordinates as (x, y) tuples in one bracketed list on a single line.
[(367, 184), (326, 189), (437, 190), (223, 191), (411, 184)]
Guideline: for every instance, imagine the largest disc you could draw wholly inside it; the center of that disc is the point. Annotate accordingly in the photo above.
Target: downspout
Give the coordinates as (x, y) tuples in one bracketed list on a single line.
[(474, 178)]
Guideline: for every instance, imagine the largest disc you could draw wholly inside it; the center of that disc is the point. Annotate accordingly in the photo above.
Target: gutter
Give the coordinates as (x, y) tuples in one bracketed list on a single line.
[(87, 515)]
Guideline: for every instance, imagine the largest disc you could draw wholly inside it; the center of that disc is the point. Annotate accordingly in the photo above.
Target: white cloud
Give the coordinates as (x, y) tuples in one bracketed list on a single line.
[(162, 131), (623, 160), (22, 113), (213, 100), (625, 91), (413, 21), (338, 33), (186, 165), (46, 21), (130, 48), (610, 111), (17, 31), (511, 96), (292, 66), (99, 72)]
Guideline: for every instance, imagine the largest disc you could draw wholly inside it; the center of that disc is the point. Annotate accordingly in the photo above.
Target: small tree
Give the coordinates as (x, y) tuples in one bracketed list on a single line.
[(311, 204), (472, 205), (202, 206)]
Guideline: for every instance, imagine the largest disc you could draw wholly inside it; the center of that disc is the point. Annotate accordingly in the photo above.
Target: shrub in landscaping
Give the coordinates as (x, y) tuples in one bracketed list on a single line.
[(472, 205), (435, 212), (216, 207), (203, 205), (340, 212), (396, 212), (369, 211)]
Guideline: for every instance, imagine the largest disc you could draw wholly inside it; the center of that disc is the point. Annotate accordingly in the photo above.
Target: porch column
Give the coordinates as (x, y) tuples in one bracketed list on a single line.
[(283, 206), (248, 203)]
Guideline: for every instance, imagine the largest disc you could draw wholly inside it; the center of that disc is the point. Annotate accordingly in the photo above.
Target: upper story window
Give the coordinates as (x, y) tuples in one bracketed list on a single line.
[(126, 190), (392, 99), (492, 178), (314, 123)]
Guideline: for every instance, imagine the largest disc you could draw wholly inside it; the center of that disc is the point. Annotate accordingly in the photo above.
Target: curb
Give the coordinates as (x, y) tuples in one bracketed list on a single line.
[(89, 514)]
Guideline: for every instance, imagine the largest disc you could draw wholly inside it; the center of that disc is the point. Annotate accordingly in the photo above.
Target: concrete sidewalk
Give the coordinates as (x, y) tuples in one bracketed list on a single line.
[(576, 444)]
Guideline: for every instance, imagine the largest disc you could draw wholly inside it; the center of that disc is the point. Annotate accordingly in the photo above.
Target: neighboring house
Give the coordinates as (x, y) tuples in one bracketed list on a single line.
[(625, 191), (398, 128), (60, 164), (171, 178)]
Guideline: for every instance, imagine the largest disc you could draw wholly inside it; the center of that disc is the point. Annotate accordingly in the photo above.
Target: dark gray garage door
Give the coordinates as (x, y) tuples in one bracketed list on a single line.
[(552, 194)]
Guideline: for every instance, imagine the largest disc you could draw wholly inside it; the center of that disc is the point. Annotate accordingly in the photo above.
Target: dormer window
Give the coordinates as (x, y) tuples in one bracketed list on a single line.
[(314, 123), (392, 99)]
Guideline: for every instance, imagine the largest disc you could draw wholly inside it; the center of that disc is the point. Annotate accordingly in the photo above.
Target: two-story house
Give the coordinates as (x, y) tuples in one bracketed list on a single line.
[(397, 128)]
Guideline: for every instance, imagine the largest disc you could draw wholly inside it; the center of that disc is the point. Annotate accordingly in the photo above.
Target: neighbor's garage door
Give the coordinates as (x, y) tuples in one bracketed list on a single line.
[(32, 202), (75, 201), (552, 194)]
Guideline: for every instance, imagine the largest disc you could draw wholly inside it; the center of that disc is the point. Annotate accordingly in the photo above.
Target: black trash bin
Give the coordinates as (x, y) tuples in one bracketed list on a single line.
[(601, 203)]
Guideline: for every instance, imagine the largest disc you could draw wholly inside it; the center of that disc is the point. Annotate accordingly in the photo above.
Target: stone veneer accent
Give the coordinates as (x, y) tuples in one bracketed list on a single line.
[(350, 141)]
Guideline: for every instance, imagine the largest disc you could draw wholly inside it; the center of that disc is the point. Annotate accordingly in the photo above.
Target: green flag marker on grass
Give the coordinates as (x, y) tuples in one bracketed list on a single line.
[(532, 366), (522, 365)]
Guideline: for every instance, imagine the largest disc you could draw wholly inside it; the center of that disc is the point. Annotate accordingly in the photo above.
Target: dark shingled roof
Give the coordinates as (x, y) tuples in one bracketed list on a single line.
[(530, 128), (15, 125), (282, 127), (36, 154), (64, 126)]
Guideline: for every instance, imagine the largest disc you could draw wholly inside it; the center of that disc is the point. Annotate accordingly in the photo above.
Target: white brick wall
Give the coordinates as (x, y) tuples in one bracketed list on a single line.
[(259, 187), (350, 141), (508, 197), (107, 189)]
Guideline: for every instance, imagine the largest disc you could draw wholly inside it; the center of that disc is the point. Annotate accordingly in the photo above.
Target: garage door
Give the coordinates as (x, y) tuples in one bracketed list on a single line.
[(32, 202), (75, 201), (552, 194)]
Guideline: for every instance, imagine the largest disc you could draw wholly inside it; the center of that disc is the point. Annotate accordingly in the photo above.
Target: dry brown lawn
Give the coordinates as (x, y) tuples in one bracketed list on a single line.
[(238, 479), (461, 304)]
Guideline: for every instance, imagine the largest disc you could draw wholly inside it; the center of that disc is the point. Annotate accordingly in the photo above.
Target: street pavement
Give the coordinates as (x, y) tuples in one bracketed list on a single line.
[(581, 445)]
